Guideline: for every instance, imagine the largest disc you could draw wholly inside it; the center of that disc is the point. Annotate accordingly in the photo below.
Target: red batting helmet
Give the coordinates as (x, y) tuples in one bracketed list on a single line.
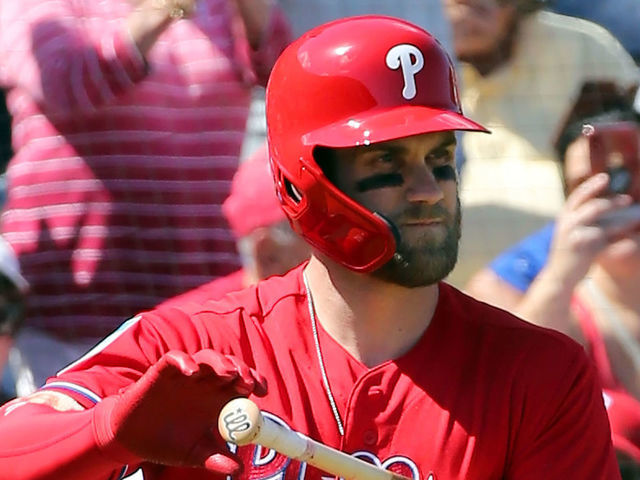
[(351, 82)]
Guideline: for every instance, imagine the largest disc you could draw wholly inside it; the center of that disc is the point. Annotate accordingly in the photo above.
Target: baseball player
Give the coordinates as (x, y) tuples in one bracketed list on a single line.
[(363, 347)]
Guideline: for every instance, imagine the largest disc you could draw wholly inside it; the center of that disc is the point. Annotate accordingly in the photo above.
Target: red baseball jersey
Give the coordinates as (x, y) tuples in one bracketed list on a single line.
[(482, 395), (213, 290)]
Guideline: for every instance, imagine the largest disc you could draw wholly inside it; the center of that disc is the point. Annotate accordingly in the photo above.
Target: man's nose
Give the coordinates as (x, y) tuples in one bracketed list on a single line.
[(422, 186)]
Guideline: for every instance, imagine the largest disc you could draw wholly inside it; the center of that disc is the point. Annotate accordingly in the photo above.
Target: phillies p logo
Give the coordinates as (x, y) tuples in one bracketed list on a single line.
[(410, 60)]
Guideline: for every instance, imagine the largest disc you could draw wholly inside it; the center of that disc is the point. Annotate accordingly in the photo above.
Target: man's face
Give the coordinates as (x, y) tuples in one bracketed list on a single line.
[(479, 26), (413, 183)]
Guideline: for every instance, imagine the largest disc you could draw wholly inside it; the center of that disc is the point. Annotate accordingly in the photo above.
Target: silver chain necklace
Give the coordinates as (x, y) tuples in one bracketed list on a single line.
[(323, 371)]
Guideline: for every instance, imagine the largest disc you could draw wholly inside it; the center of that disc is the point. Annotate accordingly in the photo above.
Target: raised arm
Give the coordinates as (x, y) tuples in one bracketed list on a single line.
[(267, 31), (584, 228), (52, 51)]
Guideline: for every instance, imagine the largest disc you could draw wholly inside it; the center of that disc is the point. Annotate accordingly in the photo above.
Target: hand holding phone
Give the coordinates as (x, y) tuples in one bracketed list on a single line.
[(615, 149)]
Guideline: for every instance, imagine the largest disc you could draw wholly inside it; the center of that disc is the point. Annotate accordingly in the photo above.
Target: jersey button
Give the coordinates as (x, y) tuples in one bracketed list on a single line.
[(370, 437)]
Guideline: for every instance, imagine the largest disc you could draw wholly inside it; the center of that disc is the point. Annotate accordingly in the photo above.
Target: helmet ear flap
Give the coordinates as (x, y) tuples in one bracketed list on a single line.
[(293, 194), (286, 191)]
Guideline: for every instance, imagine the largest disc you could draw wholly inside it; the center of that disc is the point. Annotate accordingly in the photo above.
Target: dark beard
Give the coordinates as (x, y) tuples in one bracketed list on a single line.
[(426, 263)]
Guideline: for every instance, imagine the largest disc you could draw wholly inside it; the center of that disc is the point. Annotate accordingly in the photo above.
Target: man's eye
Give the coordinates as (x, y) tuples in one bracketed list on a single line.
[(385, 158), (444, 172), (442, 155)]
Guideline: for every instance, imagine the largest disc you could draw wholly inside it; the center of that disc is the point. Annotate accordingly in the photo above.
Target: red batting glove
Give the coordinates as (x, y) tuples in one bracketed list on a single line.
[(169, 415)]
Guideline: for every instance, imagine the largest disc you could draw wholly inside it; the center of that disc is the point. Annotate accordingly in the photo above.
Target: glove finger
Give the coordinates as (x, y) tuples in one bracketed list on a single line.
[(215, 366), (249, 380), (176, 362), (223, 464), (260, 388), (209, 453), (245, 382), (227, 369)]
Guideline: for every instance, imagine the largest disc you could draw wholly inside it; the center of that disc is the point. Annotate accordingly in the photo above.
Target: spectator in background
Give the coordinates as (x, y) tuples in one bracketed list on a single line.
[(13, 286), (620, 17), (522, 68), (128, 122), (581, 275), (267, 244), (13, 293), (509, 275)]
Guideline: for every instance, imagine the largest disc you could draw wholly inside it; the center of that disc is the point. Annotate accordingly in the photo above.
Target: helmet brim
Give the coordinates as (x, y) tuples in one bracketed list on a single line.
[(381, 125)]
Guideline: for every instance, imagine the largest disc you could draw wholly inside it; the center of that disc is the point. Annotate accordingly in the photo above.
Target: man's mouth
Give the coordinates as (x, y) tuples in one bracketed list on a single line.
[(423, 222)]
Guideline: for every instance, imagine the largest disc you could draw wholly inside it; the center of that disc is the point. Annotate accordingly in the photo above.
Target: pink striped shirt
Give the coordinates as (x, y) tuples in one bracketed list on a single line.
[(121, 165)]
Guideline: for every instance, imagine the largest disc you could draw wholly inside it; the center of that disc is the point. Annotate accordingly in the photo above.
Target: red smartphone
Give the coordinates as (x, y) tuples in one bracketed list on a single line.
[(615, 149)]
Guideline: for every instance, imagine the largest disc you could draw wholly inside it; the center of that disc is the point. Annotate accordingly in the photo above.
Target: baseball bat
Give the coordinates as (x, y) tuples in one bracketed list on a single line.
[(241, 422)]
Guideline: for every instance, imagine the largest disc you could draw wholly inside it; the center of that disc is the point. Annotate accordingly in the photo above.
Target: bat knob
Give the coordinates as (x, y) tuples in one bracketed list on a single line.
[(240, 421)]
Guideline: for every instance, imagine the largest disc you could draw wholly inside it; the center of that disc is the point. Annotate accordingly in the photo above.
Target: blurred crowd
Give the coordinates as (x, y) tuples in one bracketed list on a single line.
[(135, 172)]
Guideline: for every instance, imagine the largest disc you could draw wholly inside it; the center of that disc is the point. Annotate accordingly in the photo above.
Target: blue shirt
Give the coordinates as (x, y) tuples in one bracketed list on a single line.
[(520, 264)]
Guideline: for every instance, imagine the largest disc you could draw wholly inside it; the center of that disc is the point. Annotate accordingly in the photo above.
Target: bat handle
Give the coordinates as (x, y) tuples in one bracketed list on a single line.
[(241, 422)]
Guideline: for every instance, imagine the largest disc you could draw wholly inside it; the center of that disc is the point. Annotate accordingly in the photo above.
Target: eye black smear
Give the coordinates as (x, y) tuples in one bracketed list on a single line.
[(379, 181), (444, 172)]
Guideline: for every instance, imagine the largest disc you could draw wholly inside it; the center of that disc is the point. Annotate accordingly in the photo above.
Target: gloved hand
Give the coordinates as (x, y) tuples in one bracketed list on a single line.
[(169, 415)]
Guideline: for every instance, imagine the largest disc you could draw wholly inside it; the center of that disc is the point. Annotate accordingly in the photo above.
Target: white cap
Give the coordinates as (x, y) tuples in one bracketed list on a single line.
[(10, 267)]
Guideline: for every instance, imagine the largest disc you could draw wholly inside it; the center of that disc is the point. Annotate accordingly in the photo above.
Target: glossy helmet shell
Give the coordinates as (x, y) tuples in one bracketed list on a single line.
[(351, 82)]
